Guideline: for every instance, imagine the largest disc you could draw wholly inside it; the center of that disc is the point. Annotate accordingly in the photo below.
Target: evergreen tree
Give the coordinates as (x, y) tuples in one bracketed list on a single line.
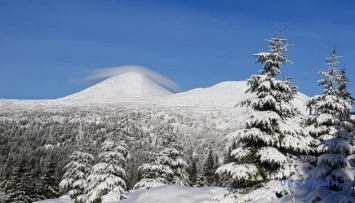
[(172, 157), (346, 124), (153, 174), (20, 187), (74, 181), (50, 182), (208, 169), (166, 166), (8, 167), (193, 172), (342, 89), (216, 177), (200, 180), (325, 108), (270, 136), (328, 124), (228, 158), (108, 177), (2, 190)]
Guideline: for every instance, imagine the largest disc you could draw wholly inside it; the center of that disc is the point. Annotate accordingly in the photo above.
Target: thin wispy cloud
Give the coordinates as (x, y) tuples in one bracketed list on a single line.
[(157, 77)]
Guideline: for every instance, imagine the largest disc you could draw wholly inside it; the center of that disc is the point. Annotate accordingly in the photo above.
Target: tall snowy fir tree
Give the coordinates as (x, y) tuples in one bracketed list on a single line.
[(154, 173), (329, 125), (342, 89), (167, 166), (271, 136), (216, 178), (346, 122), (50, 181), (74, 181), (323, 110), (193, 172), (209, 169), (107, 182), (20, 186)]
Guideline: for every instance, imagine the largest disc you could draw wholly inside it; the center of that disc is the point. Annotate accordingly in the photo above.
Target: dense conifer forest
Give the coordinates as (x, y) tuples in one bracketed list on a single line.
[(35, 145)]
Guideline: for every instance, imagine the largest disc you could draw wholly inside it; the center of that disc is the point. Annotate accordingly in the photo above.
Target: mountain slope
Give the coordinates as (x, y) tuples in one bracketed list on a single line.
[(126, 87), (135, 87), (225, 94)]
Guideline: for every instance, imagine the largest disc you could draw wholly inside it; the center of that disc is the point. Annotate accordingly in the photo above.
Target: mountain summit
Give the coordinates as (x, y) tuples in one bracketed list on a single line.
[(135, 86), (125, 87)]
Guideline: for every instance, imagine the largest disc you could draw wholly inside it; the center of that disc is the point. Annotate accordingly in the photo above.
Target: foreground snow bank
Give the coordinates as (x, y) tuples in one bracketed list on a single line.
[(182, 194), (60, 200), (173, 194), (164, 194)]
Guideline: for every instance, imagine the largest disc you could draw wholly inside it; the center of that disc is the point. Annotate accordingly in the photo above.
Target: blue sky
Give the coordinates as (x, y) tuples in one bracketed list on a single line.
[(47, 47)]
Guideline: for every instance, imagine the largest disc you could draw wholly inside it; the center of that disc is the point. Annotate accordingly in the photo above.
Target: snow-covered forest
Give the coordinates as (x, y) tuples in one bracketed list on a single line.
[(258, 140)]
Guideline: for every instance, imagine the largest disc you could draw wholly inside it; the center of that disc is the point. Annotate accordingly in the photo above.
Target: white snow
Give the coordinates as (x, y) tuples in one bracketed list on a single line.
[(173, 194), (228, 94), (240, 152), (126, 87), (225, 94), (271, 154), (239, 171), (63, 199), (138, 89), (220, 101), (163, 194)]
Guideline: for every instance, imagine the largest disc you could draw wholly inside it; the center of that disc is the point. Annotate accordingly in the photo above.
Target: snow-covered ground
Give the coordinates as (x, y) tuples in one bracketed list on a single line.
[(164, 194), (182, 194), (60, 200), (172, 194)]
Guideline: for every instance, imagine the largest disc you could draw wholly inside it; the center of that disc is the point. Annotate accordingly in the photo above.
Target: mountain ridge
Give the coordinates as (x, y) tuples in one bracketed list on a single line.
[(227, 94), (137, 88), (126, 87)]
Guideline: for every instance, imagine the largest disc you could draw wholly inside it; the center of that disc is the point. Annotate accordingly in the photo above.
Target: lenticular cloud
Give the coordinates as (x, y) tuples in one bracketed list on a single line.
[(158, 78)]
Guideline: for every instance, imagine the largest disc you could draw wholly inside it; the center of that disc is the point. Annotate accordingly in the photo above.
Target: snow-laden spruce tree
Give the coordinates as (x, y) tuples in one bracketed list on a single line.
[(107, 182), (166, 166), (271, 136), (329, 125), (154, 173), (343, 89), (20, 186), (49, 181), (347, 124), (74, 181), (325, 108), (209, 170), (193, 172)]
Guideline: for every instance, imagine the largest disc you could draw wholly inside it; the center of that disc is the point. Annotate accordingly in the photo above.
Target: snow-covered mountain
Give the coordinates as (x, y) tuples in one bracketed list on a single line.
[(126, 87), (134, 88), (225, 94)]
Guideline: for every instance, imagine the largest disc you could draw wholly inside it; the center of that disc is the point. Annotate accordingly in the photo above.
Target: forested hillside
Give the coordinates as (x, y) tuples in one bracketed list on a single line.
[(39, 141)]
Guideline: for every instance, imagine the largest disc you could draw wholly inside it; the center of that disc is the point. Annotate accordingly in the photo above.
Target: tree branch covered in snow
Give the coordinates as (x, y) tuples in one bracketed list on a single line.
[(271, 134), (108, 177), (329, 125)]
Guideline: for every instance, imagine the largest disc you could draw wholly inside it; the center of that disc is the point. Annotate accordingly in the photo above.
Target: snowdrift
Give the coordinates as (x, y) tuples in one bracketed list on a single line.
[(164, 194)]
